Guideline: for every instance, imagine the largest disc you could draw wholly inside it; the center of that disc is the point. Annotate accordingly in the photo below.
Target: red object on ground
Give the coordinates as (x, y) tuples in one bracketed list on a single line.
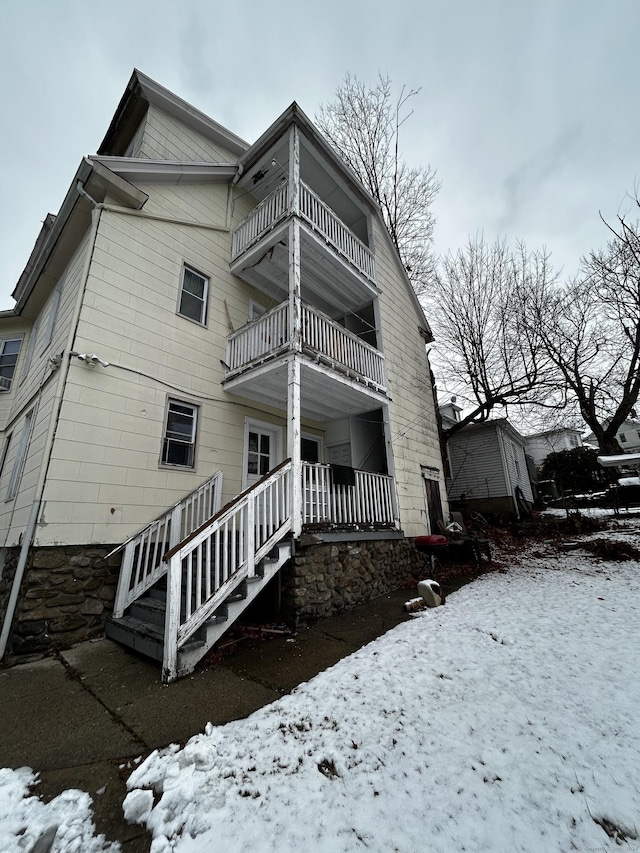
[(424, 543)]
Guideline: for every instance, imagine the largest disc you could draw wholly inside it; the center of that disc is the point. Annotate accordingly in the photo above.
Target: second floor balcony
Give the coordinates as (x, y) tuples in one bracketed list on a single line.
[(343, 371), (321, 337)]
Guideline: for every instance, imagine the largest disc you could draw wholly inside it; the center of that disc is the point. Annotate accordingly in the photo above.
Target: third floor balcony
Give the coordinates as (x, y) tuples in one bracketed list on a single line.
[(337, 267)]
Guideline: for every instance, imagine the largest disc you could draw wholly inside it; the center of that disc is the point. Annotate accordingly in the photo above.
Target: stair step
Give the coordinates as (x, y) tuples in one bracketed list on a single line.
[(141, 636), (144, 637), (148, 609), (159, 590)]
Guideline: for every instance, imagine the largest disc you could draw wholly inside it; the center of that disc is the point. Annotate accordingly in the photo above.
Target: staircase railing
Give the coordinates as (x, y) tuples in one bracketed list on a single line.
[(143, 561), (213, 561)]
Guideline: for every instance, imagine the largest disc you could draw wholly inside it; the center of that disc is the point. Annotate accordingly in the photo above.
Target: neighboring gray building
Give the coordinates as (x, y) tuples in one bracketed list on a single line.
[(487, 466)]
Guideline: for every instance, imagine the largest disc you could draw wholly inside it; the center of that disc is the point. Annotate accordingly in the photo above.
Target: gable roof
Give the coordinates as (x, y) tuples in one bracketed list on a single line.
[(142, 91)]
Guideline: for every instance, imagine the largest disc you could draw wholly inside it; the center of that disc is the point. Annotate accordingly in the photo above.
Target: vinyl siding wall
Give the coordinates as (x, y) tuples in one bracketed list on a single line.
[(105, 480), (412, 415), (34, 390), (517, 467), (480, 469), (477, 467), (164, 138)]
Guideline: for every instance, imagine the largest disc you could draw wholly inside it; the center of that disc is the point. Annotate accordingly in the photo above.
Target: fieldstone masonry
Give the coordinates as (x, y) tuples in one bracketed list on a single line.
[(66, 595), (68, 592), (324, 578)]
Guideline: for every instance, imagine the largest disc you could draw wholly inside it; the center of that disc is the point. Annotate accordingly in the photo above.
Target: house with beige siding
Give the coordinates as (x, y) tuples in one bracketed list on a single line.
[(213, 383)]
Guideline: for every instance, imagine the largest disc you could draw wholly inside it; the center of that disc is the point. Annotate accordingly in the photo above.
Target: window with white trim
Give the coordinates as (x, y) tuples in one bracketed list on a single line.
[(21, 455), (194, 289), (9, 352), (5, 451), (30, 348), (51, 319), (179, 442)]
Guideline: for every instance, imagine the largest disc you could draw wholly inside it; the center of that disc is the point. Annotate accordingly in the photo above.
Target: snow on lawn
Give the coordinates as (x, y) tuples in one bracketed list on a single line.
[(505, 721)]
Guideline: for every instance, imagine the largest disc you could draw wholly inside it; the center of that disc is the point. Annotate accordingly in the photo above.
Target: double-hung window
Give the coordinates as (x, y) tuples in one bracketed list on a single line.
[(9, 352), (194, 290), (179, 443), (21, 455)]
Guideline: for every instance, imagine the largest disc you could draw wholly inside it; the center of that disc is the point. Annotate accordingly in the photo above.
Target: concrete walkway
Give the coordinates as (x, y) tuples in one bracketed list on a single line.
[(84, 719)]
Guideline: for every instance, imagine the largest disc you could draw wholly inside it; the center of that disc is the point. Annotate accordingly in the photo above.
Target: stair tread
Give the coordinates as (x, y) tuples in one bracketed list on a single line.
[(156, 604), (139, 626)]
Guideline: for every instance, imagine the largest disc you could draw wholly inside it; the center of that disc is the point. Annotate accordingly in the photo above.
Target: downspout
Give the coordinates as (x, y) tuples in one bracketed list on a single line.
[(29, 531)]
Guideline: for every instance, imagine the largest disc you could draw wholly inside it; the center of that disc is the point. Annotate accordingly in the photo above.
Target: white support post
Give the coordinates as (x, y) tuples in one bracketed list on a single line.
[(175, 534), (294, 449), (295, 338), (124, 580), (250, 517), (172, 620)]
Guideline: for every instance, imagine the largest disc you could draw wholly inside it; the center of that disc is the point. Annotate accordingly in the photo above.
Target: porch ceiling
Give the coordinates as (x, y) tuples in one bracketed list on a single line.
[(324, 395), (327, 281)]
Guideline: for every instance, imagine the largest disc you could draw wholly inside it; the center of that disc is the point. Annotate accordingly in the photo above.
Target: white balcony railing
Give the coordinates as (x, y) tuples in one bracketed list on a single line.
[(343, 350), (340, 346), (323, 219), (259, 338), (369, 500), (317, 214), (261, 219)]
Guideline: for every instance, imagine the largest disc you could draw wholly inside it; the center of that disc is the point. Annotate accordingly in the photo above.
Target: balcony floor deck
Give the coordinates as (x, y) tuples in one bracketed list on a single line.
[(325, 394)]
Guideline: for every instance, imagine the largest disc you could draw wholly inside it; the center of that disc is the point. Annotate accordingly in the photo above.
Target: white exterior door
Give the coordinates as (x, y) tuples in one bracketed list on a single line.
[(263, 450)]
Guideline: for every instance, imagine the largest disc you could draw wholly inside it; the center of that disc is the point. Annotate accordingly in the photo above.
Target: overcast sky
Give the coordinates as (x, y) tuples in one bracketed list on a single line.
[(528, 109)]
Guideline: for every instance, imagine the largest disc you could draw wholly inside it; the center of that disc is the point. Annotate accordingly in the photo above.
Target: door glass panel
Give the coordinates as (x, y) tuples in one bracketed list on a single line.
[(259, 454), (310, 450)]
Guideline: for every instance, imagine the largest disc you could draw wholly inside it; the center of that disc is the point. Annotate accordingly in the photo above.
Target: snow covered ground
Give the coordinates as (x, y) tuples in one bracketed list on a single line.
[(507, 720)]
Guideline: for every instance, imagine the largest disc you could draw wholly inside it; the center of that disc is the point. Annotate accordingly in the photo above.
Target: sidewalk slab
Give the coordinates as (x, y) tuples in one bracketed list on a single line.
[(175, 712), (48, 721)]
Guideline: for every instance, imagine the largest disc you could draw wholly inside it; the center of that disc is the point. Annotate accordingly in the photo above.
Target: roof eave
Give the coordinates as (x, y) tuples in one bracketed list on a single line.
[(92, 178), (167, 171)]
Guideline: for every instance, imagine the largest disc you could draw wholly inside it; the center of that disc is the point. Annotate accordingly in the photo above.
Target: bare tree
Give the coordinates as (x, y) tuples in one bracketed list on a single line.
[(590, 328), (363, 125), (487, 350)]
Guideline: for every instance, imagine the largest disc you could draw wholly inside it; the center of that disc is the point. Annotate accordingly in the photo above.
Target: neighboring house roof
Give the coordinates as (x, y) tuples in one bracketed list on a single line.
[(494, 424), (549, 433)]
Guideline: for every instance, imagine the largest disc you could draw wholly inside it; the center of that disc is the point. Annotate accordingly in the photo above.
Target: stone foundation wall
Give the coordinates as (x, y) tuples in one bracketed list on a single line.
[(66, 595), (324, 578)]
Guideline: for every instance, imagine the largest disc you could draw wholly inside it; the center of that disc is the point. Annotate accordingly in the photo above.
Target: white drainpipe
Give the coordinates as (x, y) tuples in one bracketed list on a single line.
[(28, 534)]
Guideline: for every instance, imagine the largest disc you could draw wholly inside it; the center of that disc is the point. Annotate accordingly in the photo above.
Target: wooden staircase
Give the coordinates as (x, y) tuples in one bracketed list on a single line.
[(174, 605), (142, 627)]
